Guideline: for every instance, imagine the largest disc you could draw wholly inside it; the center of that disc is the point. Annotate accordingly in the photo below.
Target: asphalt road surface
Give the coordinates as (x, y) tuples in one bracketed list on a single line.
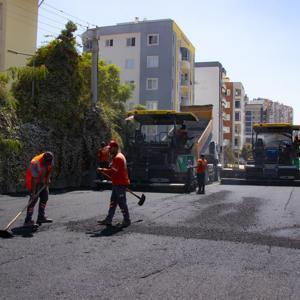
[(234, 242)]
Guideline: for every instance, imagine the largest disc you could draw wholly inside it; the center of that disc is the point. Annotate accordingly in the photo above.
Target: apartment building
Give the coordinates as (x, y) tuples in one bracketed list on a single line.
[(18, 31), (238, 122), (228, 113), (155, 56), (211, 89), (262, 110), (253, 115)]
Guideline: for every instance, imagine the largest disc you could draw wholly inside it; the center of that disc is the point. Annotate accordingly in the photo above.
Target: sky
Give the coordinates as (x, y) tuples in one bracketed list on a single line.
[(256, 41)]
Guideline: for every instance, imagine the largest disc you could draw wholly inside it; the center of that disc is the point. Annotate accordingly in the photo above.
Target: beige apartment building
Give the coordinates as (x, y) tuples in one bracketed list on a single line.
[(18, 32)]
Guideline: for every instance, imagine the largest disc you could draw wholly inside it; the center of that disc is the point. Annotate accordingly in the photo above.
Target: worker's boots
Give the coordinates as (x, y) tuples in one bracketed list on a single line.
[(104, 222), (29, 223), (43, 219), (125, 223)]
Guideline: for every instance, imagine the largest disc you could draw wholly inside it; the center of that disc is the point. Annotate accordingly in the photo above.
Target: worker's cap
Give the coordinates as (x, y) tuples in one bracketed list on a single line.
[(113, 144), (48, 157), (103, 144), (202, 155)]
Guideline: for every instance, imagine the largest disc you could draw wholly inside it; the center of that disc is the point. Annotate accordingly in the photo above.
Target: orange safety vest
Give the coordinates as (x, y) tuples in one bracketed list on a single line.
[(37, 160), (201, 165), (118, 171)]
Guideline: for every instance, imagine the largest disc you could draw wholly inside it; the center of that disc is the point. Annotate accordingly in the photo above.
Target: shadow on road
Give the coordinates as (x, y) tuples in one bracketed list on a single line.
[(26, 232), (107, 231)]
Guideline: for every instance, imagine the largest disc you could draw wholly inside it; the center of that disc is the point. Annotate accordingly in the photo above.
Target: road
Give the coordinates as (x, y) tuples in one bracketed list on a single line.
[(235, 242)]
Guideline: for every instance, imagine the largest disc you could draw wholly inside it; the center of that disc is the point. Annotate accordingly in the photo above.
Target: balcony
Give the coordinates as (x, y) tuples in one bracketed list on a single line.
[(185, 65), (184, 82), (184, 101)]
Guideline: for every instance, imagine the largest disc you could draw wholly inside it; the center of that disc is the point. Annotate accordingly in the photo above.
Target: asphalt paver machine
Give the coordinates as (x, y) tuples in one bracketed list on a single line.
[(275, 149), (161, 145)]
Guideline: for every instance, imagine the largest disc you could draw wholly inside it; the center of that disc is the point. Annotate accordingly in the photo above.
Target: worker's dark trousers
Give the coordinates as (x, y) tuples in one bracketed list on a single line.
[(118, 197), (201, 182), (44, 195)]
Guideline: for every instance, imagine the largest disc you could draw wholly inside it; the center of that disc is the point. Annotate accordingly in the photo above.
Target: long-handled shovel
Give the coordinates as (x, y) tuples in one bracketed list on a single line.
[(141, 198), (6, 233)]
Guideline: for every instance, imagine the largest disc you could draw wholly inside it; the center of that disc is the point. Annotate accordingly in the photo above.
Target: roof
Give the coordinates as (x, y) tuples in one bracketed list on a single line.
[(265, 127), (160, 117)]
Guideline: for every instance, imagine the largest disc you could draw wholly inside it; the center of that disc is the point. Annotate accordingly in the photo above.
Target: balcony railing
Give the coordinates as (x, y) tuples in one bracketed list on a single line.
[(185, 65), (184, 82)]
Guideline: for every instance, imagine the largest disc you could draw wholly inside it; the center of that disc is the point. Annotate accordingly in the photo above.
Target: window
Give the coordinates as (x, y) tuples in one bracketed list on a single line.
[(130, 42), (226, 129), (109, 43), (237, 116), (248, 130), (152, 61), (236, 142), (185, 54), (152, 84), (237, 129), (184, 78), (238, 92), (228, 92), (153, 39), (237, 104), (129, 63), (129, 81), (226, 117), (88, 45), (152, 105)]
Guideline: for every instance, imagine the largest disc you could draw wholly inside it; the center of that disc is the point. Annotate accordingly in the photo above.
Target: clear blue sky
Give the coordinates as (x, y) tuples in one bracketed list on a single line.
[(257, 41)]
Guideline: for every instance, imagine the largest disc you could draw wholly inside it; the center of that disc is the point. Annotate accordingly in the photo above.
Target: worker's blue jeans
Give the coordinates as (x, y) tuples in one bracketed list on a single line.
[(118, 197)]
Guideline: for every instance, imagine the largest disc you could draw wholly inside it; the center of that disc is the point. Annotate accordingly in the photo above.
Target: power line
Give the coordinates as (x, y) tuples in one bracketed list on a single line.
[(69, 14), (67, 18), (49, 11), (26, 18)]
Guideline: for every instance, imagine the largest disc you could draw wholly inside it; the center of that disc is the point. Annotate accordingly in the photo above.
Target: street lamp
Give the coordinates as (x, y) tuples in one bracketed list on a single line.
[(33, 65)]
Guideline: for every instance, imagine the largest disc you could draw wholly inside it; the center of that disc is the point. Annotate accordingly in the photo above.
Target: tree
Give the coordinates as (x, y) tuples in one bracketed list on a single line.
[(247, 151), (58, 84), (228, 155), (59, 115), (9, 144)]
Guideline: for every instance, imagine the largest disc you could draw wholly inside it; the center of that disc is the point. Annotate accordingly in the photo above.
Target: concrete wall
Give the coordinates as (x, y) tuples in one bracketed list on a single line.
[(207, 91), (19, 31)]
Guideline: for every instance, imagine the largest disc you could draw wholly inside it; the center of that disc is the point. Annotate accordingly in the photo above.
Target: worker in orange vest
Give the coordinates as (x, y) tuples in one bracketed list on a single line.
[(103, 158), (119, 176), (37, 176), (201, 168)]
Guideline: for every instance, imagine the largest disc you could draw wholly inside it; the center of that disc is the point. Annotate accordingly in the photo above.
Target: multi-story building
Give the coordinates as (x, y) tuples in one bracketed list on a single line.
[(253, 115), (228, 114), (18, 31), (261, 110), (210, 89), (238, 120), (155, 56)]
